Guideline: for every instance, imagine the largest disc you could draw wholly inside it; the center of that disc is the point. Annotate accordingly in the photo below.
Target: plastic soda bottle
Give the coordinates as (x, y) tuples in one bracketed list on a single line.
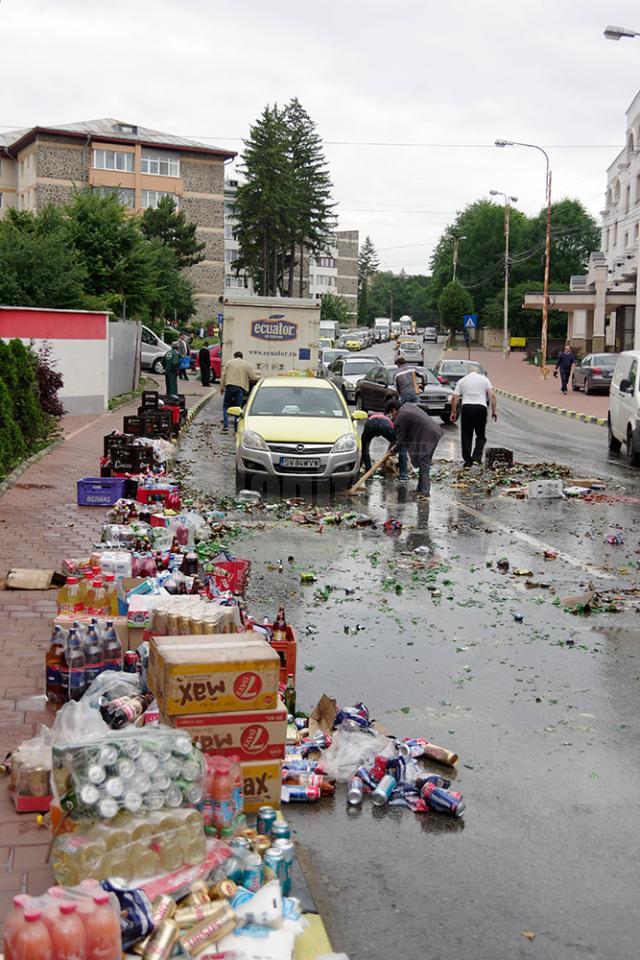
[(72, 675), (53, 661), (70, 599), (92, 655), (68, 934), (290, 695), (14, 923), (111, 648), (32, 940), (97, 600), (222, 796), (237, 792), (109, 581), (102, 929)]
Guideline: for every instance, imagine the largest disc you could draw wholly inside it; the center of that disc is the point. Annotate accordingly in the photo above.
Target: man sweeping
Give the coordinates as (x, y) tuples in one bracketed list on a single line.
[(419, 434)]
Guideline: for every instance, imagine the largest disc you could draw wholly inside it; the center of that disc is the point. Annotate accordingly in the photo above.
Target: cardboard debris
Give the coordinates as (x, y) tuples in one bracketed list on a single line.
[(580, 601), (24, 579), (323, 716)]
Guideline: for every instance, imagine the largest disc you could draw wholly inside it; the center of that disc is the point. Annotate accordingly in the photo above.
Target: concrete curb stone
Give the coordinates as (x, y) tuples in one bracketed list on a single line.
[(549, 408)]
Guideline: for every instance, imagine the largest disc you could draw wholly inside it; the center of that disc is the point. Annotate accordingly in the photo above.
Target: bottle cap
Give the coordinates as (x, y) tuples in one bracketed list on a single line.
[(71, 580), (67, 908), (101, 899), (31, 915)]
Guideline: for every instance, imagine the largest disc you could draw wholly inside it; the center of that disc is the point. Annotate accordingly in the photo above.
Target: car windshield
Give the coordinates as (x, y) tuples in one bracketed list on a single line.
[(423, 373), (604, 359), (460, 366), (411, 347), (352, 367), (328, 356), (290, 401)]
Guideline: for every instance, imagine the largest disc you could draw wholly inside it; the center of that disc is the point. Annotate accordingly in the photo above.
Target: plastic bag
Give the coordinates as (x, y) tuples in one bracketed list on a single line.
[(109, 685), (188, 528), (351, 749), (77, 720), (30, 769)]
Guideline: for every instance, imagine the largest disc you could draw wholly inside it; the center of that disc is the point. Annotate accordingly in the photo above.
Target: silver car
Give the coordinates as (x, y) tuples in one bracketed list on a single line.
[(326, 359), (346, 371)]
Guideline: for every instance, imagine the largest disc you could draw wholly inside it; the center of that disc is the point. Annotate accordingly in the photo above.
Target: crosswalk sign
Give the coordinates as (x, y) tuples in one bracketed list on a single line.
[(470, 321)]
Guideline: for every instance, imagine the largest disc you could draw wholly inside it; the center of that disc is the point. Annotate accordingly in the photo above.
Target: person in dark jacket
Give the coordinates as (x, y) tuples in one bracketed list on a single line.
[(204, 358), (564, 363), (380, 425), (420, 434)]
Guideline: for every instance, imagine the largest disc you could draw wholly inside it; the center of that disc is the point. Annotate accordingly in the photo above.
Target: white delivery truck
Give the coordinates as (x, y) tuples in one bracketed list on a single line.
[(382, 327), (274, 334), (330, 329)]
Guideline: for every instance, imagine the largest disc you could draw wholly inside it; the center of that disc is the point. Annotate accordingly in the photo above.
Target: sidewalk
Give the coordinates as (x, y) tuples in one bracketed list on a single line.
[(518, 380), (40, 524)]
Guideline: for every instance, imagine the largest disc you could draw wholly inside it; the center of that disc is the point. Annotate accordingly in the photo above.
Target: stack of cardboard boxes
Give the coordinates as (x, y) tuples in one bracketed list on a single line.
[(223, 689)]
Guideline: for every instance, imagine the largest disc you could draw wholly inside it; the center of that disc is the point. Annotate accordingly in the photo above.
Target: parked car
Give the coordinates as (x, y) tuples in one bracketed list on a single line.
[(353, 343), (449, 372), (623, 419), (326, 343), (346, 371), (216, 360), (594, 373), (412, 352), (152, 351), (326, 359), (299, 428), (378, 386), (430, 333)]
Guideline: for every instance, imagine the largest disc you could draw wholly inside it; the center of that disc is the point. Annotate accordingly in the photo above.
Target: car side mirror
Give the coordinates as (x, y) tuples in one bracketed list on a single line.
[(625, 386), (359, 415), (235, 411)]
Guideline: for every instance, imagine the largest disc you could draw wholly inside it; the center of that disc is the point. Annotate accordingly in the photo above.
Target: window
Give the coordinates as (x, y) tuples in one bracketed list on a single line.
[(148, 337), (228, 231), (322, 280), (627, 197), (636, 230), (161, 164), (229, 211), (231, 255), (626, 239), (125, 195), (113, 160), (0, 201), (325, 262), (231, 281), (606, 239), (615, 234), (151, 198)]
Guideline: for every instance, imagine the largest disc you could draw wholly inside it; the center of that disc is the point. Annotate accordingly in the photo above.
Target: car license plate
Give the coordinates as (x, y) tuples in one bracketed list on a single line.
[(304, 463), (436, 406)]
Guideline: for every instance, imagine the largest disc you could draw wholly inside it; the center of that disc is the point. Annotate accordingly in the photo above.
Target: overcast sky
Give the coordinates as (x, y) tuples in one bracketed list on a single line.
[(418, 71)]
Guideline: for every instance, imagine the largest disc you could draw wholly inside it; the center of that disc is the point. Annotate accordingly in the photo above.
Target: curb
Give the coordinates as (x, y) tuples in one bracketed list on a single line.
[(192, 411), (15, 475), (549, 408)]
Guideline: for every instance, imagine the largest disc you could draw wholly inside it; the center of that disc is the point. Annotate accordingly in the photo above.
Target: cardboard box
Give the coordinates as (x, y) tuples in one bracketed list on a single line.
[(120, 624), (262, 784), (545, 489), (213, 674), (259, 735)]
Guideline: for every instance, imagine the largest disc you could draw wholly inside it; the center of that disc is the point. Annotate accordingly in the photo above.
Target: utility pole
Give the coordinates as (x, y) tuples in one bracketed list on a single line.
[(505, 311), (391, 306), (456, 241)]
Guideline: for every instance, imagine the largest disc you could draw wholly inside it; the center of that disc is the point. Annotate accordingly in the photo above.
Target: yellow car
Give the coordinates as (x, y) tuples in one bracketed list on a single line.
[(299, 428), (353, 344)]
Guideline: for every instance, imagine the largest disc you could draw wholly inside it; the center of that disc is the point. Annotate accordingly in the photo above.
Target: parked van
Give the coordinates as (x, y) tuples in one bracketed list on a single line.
[(624, 406), (152, 350)]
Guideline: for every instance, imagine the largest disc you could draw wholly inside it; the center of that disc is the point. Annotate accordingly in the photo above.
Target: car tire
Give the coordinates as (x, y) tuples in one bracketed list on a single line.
[(242, 480), (633, 454), (613, 442), (359, 404), (156, 366), (587, 389)]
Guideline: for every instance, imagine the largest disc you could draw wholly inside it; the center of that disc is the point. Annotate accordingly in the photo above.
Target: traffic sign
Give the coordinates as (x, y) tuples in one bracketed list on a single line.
[(470, 321)]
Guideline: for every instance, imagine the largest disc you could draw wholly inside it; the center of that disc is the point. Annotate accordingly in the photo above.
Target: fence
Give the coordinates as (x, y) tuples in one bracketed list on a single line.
[(124, 356)]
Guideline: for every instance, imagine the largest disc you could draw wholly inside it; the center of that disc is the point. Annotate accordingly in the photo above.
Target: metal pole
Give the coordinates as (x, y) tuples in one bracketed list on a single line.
[(545, 305), (505, 331), (455, 258)]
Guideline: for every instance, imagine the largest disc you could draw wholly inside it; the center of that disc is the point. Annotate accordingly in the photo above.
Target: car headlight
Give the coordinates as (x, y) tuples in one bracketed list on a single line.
[(345, 444), (253, 440)]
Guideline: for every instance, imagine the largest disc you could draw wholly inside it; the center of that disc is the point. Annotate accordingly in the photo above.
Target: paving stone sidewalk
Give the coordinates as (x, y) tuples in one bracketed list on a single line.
[(40, 524)]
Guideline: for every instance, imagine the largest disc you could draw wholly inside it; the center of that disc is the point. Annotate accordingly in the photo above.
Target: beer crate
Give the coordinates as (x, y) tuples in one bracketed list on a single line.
[(133, 425), (287, 651), (149, 399), (99, 491)]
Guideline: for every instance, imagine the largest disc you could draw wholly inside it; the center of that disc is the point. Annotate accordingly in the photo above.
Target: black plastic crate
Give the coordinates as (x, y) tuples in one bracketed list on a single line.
[(132, 426), (131, 459), (112, 440), (149, 399)]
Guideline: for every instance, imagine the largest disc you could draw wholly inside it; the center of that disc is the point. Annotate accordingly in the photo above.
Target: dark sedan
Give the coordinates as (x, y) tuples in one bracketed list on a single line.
[(594, 373), (449, 372), (378, 386)]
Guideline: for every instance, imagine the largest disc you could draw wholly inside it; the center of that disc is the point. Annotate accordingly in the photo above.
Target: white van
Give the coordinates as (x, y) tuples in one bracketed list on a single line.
[(152, 350), (624, 406)]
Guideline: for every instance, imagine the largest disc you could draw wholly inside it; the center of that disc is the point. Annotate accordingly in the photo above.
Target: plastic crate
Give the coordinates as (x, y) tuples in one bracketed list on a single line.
[(133, 426), (287, 650), (99, 491), (112, 440), (131, 459), (150, 399)]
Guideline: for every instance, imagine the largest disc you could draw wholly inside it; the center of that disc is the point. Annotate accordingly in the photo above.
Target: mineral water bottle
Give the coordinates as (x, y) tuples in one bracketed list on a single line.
[(33, 940), (239, 820), (111, 648), (55, 653), (72, 676), (92, 655)]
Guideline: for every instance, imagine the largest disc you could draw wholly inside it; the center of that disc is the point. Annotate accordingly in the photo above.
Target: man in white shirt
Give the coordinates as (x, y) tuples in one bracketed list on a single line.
[(475, 393)]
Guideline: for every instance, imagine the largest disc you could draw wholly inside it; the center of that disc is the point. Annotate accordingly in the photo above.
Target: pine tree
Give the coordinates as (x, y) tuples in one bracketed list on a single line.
[(170, 225), (368, 266), (27, 411)]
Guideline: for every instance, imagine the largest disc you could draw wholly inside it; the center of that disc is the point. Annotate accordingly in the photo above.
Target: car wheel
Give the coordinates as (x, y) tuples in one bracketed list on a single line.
[(587, 387), (614, 443), (574, 385), (242, 480), (359, 405), (633, 454), (156, 366)]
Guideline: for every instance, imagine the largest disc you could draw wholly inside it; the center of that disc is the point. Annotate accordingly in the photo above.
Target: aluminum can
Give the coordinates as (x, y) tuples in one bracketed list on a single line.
[(266, 817), (273, 861), (209, 931), (366, 778), (162, 941), (384, 790), (239, 842), (261, 845), (280, 830), (189, 916), (302, 794), (286, 846), (252, 877), (223, 890), (198, 893), (439, 798), (355, 792)]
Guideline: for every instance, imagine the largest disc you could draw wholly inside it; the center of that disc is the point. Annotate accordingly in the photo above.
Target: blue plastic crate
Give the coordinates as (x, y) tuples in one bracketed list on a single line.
[(100, 491)]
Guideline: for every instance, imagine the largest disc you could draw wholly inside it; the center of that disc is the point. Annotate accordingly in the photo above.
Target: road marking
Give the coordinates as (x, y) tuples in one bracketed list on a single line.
[(539, 545)]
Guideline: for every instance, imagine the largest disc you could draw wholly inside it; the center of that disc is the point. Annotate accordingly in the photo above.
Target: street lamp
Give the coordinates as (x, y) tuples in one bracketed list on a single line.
[(547, 251), (507, 210), (617, 33), (456, 241)]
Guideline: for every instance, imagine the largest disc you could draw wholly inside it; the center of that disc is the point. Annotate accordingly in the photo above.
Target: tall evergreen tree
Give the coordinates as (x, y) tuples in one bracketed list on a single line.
[(368, 266), (170, 225)]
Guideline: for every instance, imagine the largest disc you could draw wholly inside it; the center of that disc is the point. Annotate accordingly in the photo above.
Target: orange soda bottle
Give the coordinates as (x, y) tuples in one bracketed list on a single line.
[(32, 940), (102, 930), (14, 923), (67, 933)]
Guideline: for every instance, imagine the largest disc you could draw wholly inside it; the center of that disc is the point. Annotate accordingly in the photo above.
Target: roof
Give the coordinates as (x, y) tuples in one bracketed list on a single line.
[(110, 129), (297, 381)]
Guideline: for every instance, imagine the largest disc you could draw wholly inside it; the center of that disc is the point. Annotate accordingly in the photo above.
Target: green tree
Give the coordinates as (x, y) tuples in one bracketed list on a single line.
[(12, 446), (27, 411), (38, 266), (368, 266), (522, 323), (172, 293), (574, 235), (453, 302), (170, 225), (335, 308)]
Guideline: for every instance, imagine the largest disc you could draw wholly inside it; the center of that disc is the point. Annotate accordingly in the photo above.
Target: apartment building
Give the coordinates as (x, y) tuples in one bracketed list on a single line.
[(44, 165), (334, 271)]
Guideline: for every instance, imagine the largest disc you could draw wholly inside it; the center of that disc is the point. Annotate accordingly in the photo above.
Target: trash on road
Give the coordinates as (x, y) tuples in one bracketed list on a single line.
[(615, 539)]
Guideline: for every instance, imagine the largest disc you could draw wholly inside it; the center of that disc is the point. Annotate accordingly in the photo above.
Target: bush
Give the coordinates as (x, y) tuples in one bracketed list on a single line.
[(12, 447), (27, 411), (49, 382)]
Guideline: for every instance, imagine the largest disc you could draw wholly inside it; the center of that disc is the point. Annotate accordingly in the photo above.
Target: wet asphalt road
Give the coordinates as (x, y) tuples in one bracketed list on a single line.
[(546, 730)]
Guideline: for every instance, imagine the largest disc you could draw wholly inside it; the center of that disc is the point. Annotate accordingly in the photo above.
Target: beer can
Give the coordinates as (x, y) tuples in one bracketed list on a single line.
[(132, 801), (96, 774), (273, 861), (260, 845), (250, 834), (286, 847), (266, 817), (163, 907), (239, 842), (384, 790), (89, 795), (189, 916), (252, 877), (209, 931), (280, 830), (198, 893), (223, 890), (355, 792), (162, 941)]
